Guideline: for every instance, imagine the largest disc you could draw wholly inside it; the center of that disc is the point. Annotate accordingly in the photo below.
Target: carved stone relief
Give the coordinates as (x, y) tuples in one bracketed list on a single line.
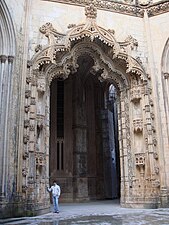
[(125, 6), (60, 59)]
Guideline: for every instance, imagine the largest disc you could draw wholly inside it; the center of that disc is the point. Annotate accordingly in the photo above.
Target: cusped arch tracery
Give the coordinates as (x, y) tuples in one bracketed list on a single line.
[(68, 63), (59, 58)]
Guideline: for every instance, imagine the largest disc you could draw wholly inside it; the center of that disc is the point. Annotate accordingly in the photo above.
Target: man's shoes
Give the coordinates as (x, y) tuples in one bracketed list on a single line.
[(56, 212)]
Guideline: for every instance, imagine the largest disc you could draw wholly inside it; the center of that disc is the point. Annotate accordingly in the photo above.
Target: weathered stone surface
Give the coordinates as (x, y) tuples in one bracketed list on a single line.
[(60, 119)]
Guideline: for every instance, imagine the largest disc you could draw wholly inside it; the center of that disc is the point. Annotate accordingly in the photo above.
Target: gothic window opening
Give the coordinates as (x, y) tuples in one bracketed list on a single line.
[(57, 128)]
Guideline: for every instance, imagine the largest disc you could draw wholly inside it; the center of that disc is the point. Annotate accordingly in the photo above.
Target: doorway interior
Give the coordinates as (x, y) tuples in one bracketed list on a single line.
[(84, 151)]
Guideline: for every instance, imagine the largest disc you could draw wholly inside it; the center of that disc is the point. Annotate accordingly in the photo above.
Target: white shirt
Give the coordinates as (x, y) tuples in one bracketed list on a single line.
[(55, 189)]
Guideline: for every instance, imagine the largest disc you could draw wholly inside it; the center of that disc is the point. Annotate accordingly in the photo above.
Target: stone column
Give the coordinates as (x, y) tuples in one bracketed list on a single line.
[(153, 72), (6, 65), (123, 148), (80, 180)]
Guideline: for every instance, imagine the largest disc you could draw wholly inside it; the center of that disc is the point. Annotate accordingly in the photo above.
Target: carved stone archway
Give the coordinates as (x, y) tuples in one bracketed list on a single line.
[(112, 61)]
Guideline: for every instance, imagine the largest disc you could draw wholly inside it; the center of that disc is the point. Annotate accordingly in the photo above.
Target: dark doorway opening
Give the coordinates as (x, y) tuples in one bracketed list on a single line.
[(84, 151)]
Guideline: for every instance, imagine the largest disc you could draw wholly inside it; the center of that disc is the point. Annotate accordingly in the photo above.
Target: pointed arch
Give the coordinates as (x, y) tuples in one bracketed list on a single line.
[(165, 81), (7, 54)]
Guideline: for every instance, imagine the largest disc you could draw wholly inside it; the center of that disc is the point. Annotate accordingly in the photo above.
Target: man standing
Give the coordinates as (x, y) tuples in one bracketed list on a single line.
[(55, 189)]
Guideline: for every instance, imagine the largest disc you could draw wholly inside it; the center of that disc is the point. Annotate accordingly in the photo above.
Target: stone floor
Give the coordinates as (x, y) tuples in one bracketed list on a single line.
[(96, 213)]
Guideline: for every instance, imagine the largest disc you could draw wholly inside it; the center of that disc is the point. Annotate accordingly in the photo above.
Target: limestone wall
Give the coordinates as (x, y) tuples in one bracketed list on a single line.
[(159, 36)]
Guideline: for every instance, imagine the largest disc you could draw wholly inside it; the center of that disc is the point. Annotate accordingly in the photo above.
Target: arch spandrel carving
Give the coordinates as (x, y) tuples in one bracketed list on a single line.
[(61, 44)]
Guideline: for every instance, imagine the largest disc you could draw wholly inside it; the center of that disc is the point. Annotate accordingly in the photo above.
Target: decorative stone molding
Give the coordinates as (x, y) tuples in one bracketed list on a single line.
[(154, 141), (140, 159), (32, 127), (138, 125), (31, 180), (40, 159), (27, 93), (3, 58), (151, 102), (158, 8), (129, 7), (155, 155), (156, 169), (166, 75), (28, 80), (29, 63), (135, 94), (26, 123), (59, 61), (25, 155), (24, 172), (156, 183), (124, 8), (33, 101), (91, 12), (38, 48), (11, 59), (27, 108), (147, 108), (41, 85), (25, 139), (24, 188)]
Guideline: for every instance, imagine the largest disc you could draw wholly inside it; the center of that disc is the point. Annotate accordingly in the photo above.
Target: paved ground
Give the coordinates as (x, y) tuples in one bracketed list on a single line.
[(96, 213)]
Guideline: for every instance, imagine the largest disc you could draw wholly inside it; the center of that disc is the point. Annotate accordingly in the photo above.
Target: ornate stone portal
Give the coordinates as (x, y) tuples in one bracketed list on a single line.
[(112, 63)]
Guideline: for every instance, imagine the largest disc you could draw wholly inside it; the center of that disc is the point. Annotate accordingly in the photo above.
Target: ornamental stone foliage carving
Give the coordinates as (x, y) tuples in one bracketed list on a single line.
[(58, 58), (91, 12)]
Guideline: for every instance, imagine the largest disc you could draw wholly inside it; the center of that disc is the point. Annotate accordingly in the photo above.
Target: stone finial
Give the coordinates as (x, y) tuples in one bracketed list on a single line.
[(91, 11)]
